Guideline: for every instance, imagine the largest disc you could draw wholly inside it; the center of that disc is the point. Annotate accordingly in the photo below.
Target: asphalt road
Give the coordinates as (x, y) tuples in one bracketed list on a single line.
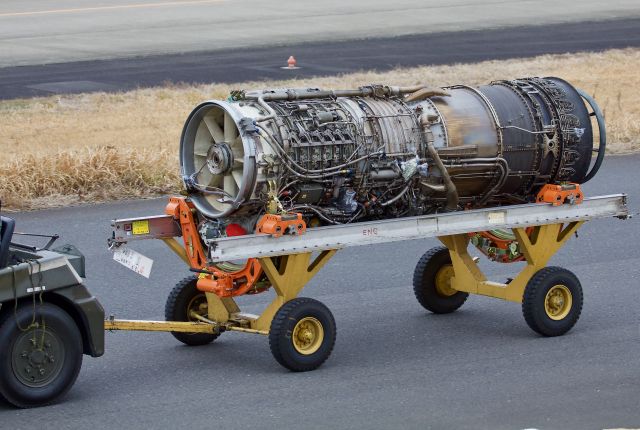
[(55, 31), (318, 58), (394, 364)]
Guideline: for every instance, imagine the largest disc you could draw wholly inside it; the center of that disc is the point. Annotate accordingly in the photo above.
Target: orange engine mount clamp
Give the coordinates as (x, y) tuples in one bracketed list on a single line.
[(560, 194), (278, 225)]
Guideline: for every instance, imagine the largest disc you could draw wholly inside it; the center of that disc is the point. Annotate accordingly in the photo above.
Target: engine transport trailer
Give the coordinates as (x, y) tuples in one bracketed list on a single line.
[(277, 181)]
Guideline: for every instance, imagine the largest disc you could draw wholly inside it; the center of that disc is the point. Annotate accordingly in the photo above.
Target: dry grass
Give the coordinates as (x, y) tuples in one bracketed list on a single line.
[(95, 147)]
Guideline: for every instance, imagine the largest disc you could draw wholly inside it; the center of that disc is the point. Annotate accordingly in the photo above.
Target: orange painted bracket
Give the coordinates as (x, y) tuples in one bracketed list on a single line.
[(222, 286), (183, 211), (231, 284), (559, 194), (278, 225), (223, 283)]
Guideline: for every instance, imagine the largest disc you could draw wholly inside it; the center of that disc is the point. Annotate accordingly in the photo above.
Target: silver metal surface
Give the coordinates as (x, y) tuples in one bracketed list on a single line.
[(159, 227), (382, 152), (367, 233)]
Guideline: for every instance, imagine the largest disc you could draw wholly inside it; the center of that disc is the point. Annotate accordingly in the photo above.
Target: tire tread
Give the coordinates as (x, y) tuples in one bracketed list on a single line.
[(14, 398), (171, 307), (424, 296), (278, 329), (530, 309)]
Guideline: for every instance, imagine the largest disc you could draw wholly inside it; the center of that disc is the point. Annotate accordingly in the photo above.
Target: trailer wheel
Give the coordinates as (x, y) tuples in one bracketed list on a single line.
[(302, 334), (40, 364), (184, 298), (552, 301), (432, 282)]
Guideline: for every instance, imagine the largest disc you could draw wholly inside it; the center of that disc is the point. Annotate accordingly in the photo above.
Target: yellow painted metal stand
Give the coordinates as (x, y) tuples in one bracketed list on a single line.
[(289, 274), (288, 279), (538, 248), (292, 273), (176, 326)]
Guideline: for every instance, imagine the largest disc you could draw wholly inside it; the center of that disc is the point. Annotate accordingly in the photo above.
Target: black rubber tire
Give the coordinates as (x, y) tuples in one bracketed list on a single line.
[(281, 333), (424, 283), (177, 309), (59, 324), (4, 314), (533, 301)]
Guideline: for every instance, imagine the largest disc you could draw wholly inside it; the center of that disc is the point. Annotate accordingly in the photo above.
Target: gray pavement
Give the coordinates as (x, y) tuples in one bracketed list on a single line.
[(37, 32), (318, 58), (394, 364)]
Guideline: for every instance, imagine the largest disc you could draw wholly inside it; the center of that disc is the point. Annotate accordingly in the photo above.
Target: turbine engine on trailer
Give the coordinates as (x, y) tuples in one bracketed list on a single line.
[(382, 152)]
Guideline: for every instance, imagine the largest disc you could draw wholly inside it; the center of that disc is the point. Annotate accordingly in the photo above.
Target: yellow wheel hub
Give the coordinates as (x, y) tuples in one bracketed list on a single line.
[(308, 335), (199, 305), (558, 302), (443, 281)]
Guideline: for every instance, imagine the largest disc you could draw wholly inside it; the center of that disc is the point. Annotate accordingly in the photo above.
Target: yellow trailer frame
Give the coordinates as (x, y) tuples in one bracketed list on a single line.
[(294, 261), (294, 271)]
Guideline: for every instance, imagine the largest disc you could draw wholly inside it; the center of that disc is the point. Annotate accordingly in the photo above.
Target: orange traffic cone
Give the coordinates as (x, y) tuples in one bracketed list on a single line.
[(291, 64)]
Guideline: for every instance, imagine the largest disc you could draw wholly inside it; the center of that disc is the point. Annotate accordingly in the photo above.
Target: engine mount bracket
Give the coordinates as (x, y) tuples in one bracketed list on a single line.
[(559, 194)]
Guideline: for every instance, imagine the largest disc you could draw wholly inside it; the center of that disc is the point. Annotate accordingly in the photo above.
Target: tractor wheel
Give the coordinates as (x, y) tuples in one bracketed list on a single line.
[(302, 334), (552, 301), (432, 282), (41, 355), (184, 298)]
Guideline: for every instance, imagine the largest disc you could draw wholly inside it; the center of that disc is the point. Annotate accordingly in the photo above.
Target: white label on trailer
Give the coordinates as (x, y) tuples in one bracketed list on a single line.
[(133, 260), (496, 217)]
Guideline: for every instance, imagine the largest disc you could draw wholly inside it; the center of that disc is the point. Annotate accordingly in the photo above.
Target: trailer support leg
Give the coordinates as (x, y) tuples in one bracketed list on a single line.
[(219, 309), (292, 273), (288, 278), (538, 248), (176, 247)]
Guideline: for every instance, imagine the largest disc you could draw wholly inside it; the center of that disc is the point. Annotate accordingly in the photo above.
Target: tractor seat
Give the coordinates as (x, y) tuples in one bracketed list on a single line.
[(6, 233)]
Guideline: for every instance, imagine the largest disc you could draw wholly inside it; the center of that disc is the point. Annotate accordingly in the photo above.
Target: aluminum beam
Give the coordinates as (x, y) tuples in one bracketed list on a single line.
[(401, 229)]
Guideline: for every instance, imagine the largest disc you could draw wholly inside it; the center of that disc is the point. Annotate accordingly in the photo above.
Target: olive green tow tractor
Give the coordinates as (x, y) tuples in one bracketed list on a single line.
[(48, 319)]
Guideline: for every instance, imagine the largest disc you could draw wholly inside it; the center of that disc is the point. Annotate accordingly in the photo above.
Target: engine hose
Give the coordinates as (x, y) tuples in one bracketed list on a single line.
[(504, 172), (277, 148), (452, 191), (330, 171), (272, 113), (317, 212), (397, 196), (499, 162), (324, 217), (602, 130), (366, 91)]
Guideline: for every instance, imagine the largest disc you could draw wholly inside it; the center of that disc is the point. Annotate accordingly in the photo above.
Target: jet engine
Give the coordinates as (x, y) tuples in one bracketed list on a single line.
[(376, 152)]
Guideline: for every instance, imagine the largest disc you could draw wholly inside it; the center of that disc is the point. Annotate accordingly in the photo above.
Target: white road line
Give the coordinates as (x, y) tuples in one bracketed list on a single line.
[(124, 6)]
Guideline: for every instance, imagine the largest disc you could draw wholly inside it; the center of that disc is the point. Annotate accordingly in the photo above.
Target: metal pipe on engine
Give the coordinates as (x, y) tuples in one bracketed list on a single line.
[(450, 187)]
